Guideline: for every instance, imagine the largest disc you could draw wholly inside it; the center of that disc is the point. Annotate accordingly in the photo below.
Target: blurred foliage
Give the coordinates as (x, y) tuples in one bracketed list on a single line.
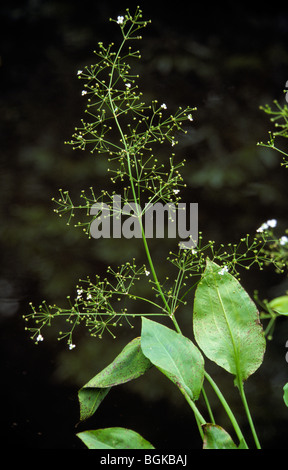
[(224, 63)]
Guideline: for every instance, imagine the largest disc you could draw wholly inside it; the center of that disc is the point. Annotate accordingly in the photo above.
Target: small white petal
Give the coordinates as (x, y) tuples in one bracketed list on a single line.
[(223, 271), (120, 19)]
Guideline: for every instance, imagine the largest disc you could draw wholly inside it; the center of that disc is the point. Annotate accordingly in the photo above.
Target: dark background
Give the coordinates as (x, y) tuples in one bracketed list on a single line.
[(225, 60)]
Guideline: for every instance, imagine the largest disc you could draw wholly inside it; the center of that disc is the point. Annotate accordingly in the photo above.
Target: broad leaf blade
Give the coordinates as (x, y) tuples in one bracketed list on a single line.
[(174, 355), (114, 438), (216, 437), (128, 365), (226, 323)]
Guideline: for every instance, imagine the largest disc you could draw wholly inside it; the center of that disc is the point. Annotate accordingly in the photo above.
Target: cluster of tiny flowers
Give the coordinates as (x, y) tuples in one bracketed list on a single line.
[(283, 240), (40, 338), (269, 224), (223, 271), (79, 293)]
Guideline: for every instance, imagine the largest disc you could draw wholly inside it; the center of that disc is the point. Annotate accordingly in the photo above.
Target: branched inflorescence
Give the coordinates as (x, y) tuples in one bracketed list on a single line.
[(99, 304), (279, 117), (121, 126)]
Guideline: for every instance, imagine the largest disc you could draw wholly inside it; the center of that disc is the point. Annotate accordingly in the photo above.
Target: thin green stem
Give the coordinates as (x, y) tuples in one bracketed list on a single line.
[(208, 406), (132, 182), (200, 419), (244, 401), (226, 408)]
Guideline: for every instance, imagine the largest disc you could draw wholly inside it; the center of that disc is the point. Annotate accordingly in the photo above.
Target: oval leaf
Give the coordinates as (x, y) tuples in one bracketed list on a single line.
[(280, 305), (174, 355), (216, 437), (114, 438), (285, 395), (128, 365), (226, 323)]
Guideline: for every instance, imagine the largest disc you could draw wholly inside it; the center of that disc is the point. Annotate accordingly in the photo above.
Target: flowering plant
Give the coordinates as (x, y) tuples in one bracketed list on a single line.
[(225, 328)]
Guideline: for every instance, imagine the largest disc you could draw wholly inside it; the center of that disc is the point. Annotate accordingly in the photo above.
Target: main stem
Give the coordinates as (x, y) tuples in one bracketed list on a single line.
[(226, 408), (244, 401), (167, 308), (199, 418)]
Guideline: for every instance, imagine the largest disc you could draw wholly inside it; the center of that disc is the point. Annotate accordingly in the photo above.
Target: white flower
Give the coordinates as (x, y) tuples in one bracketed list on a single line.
[(147, 272), (120, 19), (89, 296), (79, 72), (223, 270), (262, 228), (39, 338), (72, 346), (176, 191), (190, 117), (128, 85), (79, 293), (270, 223), (283, 240), (163, 106), (84, 92)]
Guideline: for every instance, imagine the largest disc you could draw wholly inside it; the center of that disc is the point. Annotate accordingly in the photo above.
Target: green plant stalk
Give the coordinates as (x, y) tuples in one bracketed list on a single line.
[(212, 420), (244, 401), (222, 401), (199, 418), (226, 408)]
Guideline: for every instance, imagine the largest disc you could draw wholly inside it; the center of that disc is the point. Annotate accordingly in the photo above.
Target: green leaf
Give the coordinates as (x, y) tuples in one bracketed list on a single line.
[(114, 438), (128, 365), (174, 355), (285, 396), (226, 323), (216, 437), (280, 305)]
